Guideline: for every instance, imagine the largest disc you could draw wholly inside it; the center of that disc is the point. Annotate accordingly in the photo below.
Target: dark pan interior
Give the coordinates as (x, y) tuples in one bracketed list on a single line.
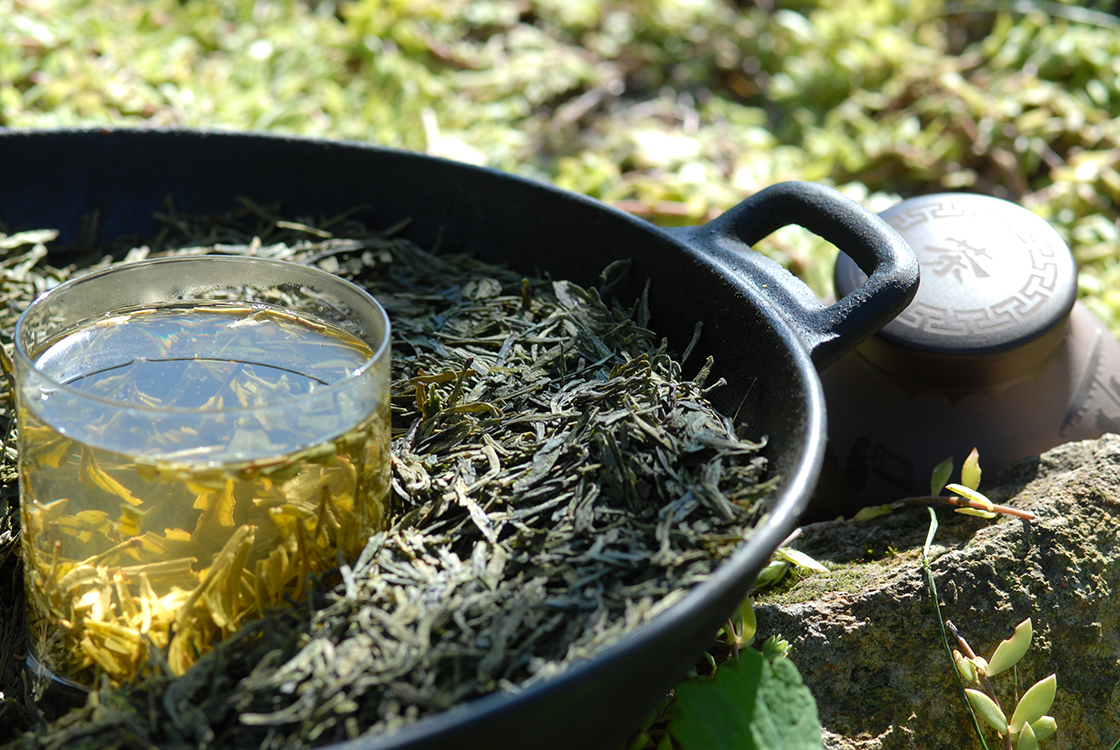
[(52, 179)]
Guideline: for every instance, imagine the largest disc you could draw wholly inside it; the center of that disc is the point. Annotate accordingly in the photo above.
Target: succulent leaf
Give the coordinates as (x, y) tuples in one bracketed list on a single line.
[(1009, 652), (970, 472), (987, 710), (970, 494), (1027, 739), (1044, 727), (976, 512), (940, 476), (873, 511), (800, 559), (1035, 703), (965, 666)]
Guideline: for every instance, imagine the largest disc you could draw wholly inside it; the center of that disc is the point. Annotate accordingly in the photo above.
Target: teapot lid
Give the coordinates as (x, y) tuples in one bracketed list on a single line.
[(994, 275)]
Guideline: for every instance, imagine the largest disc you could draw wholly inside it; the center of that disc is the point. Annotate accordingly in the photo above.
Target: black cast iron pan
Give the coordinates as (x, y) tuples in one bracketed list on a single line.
[(765, 329)]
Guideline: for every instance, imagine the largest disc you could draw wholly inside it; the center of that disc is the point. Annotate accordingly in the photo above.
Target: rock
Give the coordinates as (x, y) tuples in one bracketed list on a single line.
[(865, 636)]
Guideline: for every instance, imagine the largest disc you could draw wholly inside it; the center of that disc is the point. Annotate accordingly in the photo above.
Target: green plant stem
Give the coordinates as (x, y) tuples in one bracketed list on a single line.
[(941, 626), (983, 677)]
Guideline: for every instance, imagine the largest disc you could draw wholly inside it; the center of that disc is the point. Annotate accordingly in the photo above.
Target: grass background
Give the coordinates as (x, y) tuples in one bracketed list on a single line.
[(672, 109)]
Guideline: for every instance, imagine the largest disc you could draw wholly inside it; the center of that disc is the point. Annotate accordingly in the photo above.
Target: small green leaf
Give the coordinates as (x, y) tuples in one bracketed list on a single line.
[(873, 511), (750, 623), (975, 512), (970, 494), (800, 559), (1044, 727), (980, 663), (776, 648), (1009, 652), (940, 476), (965, 666), (987, 710), (742, 625), (750, 704), (1027, 739), (970, 472), (1034, 703), (771, 574)]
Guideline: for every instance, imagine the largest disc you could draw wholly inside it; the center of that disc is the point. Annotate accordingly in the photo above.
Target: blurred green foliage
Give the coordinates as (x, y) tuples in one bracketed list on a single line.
[(673, 109)]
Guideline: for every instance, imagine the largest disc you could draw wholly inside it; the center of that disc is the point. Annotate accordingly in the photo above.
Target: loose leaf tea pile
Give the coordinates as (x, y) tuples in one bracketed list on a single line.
[(556, 482)]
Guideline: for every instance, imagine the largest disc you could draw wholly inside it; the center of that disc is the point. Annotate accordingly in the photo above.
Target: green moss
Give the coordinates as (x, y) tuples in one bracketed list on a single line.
[(843, 579)]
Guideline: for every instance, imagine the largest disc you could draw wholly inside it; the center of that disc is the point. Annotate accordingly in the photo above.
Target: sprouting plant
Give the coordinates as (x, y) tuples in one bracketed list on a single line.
[(740, 630), (783, 561), (1029, 723), (966, 497)]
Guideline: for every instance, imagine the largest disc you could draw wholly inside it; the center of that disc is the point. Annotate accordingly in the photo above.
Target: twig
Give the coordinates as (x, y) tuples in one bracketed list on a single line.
[(961, 502), (954, 500), (809, 528)]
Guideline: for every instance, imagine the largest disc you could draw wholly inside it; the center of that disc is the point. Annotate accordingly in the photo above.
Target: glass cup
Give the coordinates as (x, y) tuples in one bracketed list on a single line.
[(197, 436)]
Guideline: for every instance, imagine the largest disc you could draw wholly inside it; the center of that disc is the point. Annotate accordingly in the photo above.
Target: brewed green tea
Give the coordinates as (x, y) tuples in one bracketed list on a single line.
[(159, 528)]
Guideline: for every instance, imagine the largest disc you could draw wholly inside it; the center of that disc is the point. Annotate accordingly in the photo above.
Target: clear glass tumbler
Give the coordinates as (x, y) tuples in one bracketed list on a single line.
[(197, 436)]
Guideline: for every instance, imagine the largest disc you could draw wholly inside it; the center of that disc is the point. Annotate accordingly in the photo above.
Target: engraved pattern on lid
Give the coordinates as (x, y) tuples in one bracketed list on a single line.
[(994, 274)]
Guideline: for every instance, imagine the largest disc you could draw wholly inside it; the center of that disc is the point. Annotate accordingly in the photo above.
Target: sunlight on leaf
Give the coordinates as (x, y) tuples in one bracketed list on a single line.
[(987, 710), (873, 511), (1035, 703), (970, 472), (750, 704), (800, 559), (1010, 651)]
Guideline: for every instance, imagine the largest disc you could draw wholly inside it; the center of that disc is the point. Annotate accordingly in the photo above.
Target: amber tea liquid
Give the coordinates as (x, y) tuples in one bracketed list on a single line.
[(198, 462)]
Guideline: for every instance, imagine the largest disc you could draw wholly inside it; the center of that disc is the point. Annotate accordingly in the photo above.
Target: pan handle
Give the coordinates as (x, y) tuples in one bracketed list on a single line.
[(827, 331)]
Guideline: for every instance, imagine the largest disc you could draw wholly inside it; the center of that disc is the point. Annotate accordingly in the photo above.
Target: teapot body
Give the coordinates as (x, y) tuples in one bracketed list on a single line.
[(994, 353), (886, 433)]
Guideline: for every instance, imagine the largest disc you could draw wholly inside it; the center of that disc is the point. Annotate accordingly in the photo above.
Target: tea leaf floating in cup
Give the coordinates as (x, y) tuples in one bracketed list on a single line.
[(245, 442), (556, 482)]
